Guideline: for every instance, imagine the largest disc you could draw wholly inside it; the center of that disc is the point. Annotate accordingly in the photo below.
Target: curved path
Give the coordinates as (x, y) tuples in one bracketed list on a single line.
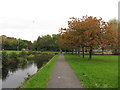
[(63, 76)]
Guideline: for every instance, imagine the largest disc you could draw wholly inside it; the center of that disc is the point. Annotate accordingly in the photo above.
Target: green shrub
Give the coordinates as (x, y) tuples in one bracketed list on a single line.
[(23, 53), (13, 55), (56, 53), (13, 61), (30, 52), (4, 58), (38, 52), (22, 60)]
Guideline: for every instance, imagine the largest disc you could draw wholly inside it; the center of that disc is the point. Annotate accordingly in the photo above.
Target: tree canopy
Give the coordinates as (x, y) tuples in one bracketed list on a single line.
[(88, 32)]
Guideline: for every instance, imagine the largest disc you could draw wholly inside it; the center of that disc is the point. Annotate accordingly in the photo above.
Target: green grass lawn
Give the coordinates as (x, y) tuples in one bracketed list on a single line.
[(50, 52), (41, 78), (101, 72), (8, 51)]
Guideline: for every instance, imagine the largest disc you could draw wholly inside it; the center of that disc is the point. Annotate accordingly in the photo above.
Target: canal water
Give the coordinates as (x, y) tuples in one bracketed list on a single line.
[(13, 76), (14, 79)]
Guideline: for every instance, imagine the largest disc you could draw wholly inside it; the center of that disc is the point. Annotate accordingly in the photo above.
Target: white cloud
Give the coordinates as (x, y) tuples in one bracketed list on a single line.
[(27, 19)]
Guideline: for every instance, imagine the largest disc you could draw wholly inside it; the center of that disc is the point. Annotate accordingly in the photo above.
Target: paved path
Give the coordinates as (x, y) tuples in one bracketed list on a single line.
[(63, 76)]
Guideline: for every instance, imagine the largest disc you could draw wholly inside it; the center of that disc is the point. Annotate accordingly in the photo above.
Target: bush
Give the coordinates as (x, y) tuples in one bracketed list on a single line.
[(22, 60), (30, 52), (4, 58), (23, 53), (56, 53), (38, 52), (13, 59), (13, 55)]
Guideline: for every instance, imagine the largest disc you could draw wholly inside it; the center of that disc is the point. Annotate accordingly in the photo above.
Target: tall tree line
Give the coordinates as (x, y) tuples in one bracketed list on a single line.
[(46, 43), (11, 43), (88, 33), (43, 43)]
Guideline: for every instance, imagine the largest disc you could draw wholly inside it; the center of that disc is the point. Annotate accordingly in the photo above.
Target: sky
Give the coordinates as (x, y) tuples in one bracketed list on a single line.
[(28, 19)]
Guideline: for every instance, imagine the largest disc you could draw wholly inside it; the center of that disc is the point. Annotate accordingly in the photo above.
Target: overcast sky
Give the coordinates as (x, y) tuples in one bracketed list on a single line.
[(27, 19)]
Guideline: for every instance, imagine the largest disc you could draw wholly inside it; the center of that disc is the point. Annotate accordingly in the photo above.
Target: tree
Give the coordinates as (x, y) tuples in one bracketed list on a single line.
[(68, 39), (88, 29), (115, 25), (88, 32), (46, 43), (11, 43)]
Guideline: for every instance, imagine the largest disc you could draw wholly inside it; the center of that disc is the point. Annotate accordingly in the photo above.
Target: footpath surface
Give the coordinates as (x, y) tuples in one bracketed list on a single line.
[(63, 76)]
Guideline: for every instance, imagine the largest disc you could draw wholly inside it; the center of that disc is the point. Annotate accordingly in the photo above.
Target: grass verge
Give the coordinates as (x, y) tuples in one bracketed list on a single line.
[(17, 52), (41, 78), (101, 72), (49, 52), (8, 51)]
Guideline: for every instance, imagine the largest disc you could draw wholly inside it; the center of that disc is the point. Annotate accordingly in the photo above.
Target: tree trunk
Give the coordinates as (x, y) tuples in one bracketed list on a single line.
[(102, 50), (72, 51), (65, 51), (90, 53), (78, 51), (83, 52)]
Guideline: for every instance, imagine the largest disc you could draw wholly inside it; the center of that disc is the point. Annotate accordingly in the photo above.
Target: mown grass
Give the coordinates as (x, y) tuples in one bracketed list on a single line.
[(41, 78), (100, 72), (49, 52), (8, 52)]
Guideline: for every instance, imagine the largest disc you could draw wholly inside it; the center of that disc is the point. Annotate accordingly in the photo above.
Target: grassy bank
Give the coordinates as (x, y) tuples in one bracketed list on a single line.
[(41, 78), (49, 52), (101, 72), (17, 52)]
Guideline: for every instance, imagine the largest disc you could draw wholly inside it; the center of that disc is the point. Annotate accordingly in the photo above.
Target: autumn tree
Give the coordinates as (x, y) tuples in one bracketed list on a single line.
[(88, 32), (67, 39), (115, 26)]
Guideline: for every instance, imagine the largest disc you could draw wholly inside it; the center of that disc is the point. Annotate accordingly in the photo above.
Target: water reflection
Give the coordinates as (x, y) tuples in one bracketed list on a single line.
[(14, 79), (14, 74)]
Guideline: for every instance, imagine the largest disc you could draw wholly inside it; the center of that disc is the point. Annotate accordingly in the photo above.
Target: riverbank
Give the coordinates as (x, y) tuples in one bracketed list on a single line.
[(41, 78)]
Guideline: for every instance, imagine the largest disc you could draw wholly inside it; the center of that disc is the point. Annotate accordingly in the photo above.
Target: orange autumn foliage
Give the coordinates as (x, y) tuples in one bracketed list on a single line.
[(87, 32)]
